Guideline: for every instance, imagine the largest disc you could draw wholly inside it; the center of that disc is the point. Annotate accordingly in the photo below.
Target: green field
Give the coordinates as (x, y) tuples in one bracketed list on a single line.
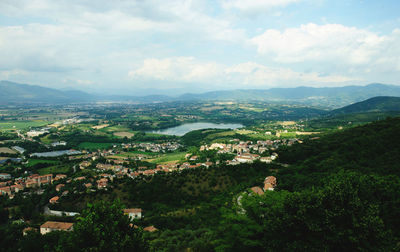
[(92, 146), (33, 162), (20, 125), (53, 169), (165, 158), (135, 153)]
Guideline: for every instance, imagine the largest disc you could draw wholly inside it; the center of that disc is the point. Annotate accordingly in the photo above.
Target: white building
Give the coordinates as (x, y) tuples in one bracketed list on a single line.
[(133, 213)]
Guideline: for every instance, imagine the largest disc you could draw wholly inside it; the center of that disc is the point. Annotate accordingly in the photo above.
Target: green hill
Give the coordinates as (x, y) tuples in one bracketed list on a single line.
[(370, 149), (338, 193), (375, 104)]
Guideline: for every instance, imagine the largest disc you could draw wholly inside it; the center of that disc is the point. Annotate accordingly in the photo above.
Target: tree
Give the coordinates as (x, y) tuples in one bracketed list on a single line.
[(103, 227)]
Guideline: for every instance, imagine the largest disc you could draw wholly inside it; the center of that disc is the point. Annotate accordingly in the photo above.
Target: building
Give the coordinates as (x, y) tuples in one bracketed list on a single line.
[(102, 183), (266, 159), (19, 149), (133, 213), (257, 190), (50, 226), (59, 186), (54, 200), (150, 229), (5, 176), (34, 133), (61, 143), (269, 183), (26, 230)]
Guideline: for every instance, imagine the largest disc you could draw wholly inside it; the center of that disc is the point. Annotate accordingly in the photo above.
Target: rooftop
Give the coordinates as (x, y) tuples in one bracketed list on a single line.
[(57, 225)]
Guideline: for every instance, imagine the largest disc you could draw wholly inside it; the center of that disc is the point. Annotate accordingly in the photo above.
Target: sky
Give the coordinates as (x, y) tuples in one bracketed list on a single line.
[(171, 47)]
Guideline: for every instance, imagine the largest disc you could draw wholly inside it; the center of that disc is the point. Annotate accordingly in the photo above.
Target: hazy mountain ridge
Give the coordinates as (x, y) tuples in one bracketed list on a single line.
[(11, 92), (333, 97), (328, 96)]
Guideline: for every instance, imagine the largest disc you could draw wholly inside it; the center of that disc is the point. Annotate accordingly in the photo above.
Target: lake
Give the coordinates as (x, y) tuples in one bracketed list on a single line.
[(187, 127)]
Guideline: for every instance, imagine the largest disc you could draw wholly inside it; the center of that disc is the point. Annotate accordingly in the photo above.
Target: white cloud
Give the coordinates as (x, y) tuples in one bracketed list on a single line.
[(244, 75), (254, 6), (333, 43), (182, 69)]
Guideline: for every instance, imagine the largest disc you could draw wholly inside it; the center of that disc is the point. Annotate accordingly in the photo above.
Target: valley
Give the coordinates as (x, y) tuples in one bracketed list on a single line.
[(186, 165)]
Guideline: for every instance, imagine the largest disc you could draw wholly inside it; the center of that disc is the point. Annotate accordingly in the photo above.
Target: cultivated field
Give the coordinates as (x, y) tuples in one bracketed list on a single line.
[(100, 126), (6, 150), (124, 134)]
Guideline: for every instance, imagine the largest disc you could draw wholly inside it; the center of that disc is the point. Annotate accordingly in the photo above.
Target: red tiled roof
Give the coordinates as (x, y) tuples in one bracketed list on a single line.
[(57, 225)]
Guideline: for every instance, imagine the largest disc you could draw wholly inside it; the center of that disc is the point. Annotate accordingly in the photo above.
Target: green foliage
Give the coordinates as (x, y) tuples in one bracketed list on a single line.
[(349, 213), (369, 149), (103, 227)]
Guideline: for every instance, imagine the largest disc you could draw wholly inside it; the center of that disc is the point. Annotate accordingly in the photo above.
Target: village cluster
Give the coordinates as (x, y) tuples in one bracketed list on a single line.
[(153, 147)]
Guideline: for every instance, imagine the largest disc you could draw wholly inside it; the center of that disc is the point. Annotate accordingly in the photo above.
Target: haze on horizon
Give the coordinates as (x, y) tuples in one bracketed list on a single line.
[(148, 46)]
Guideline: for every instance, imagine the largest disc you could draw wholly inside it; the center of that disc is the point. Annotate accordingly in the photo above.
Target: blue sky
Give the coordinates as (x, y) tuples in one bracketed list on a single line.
[(171, 47)]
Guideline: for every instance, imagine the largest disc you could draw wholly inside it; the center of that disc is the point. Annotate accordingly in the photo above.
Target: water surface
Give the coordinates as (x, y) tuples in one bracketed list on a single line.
[(187, 127)]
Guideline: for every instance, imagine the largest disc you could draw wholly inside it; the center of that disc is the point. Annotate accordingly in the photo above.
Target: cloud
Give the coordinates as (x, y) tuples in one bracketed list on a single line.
[(255, 6), (332, 43), (186, 70), (181, 69)]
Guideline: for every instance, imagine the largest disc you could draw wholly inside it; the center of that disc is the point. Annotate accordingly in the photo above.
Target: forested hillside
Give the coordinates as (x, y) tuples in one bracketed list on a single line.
[(370, 149), (375, 104), (339, 193)]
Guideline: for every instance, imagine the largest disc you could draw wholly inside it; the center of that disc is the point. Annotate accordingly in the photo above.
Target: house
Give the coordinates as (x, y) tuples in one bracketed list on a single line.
[(45, 179), (84, 164), (102, 183), (26, 230), (58, 187), (54, 200), (257, 190), (5, 176), (17, 187), (50, 226), (266, 159), (133, 213), (150, 229), (5, 191), (247, 158), (60, 176), (269, 183)]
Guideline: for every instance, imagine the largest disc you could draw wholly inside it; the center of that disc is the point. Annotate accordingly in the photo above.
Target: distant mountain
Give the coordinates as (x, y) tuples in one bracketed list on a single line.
[(375, 104), (11, 92), (330, 97), (334, 97)]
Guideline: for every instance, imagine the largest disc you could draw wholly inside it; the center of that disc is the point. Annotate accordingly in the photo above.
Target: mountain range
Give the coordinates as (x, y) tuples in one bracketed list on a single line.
[(330, 97)]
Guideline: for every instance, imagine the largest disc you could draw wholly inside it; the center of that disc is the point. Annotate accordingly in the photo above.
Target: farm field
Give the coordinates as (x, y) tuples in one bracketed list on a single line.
[(167, 158), (21, 125), (92, 146), (7, 150), (53, 169), (33, 162), (124, 134)]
